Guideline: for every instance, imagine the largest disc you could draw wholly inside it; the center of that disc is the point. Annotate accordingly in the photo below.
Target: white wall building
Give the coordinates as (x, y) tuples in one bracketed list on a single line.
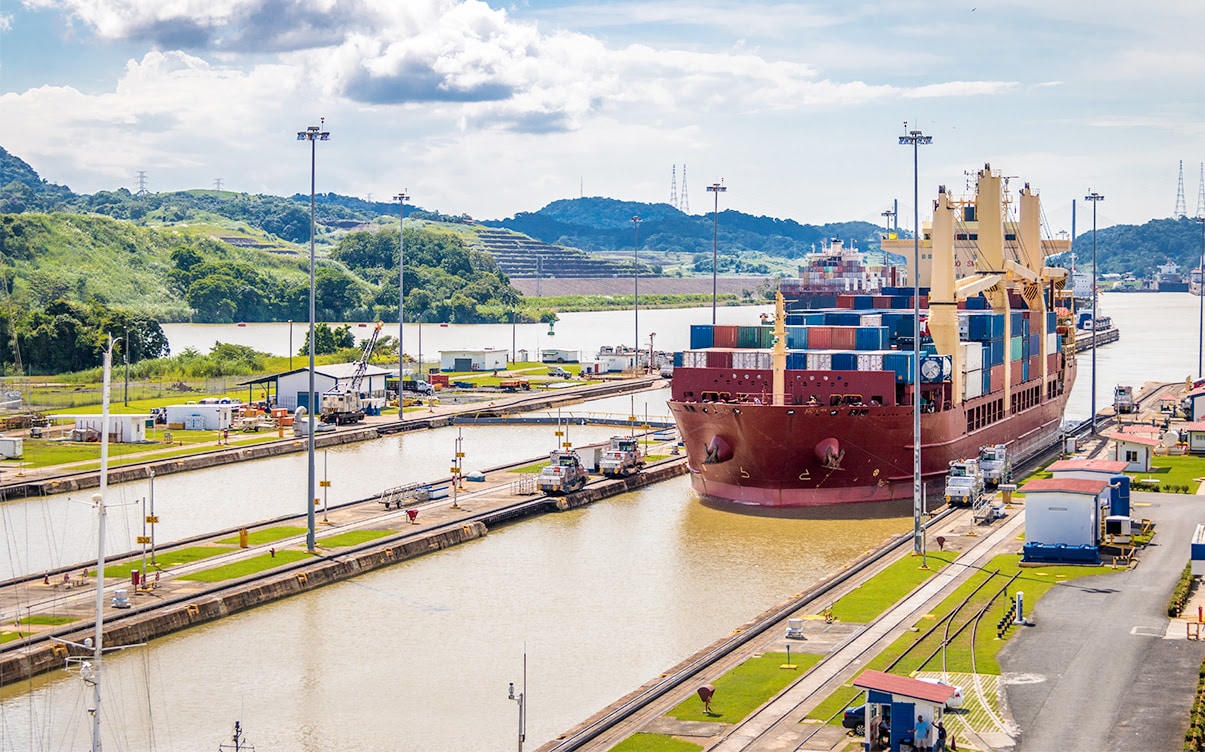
[(201, 417), (1064, 511), (1135, 449), (291, 386), (472, 360), (123, 429)]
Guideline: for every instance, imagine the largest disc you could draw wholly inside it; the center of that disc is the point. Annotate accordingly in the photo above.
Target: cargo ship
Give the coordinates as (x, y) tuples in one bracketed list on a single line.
[(817, 409), (836, 270)]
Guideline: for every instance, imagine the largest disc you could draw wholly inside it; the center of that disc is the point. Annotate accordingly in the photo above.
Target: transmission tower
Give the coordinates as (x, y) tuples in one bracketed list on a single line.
[(141, 183), (217, 184), (1201, 193), (1181, 209), (685, 205), (673, 187)]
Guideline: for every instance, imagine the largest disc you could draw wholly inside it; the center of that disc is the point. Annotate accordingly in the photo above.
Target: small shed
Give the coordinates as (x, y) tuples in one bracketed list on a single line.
[(1063, 519), (615, 359), (123, 429), (1193, 434), (1135, 449), (200, 417), (898, 701), (472, 360)]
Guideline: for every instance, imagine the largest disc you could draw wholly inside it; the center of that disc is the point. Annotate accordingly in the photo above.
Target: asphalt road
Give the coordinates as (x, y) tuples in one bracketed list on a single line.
[(1100, 670)]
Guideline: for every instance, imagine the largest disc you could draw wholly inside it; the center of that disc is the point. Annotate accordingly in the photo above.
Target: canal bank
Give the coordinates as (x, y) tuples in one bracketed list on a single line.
[(26, 482), (174, 602)]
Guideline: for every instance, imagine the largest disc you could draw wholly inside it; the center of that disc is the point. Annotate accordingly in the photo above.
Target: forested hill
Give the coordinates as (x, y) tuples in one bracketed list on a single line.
[(604, 224), (1138, 249)]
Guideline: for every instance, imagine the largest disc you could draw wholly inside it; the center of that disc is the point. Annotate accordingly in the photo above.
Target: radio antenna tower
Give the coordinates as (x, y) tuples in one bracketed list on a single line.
[(1181, 209), (685, 205), (1201, 193), (673, 187), (141, 183)]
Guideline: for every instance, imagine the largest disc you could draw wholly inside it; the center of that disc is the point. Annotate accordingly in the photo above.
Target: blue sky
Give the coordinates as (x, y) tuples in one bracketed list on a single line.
[(492, 109)]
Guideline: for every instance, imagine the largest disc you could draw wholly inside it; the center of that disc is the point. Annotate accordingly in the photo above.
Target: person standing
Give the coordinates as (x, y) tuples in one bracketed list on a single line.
[(940, 746), (920, 734)]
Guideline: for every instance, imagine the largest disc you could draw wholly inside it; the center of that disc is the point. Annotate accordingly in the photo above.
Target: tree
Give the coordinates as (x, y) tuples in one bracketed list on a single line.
[(327, 340)]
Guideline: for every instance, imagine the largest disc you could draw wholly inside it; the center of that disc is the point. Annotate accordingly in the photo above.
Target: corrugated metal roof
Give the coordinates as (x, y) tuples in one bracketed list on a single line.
[(904, 686), (1068, 485)]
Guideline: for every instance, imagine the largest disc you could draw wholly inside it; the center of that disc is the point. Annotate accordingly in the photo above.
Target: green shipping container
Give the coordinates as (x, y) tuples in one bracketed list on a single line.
[(1015, 348), (748, 337)]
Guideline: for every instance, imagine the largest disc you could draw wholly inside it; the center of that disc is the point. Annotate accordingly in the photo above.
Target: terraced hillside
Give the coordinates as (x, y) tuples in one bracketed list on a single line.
[(522, 257)]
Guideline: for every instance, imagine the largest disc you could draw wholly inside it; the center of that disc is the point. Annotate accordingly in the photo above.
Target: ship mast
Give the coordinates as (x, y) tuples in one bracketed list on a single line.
[(779, 353)]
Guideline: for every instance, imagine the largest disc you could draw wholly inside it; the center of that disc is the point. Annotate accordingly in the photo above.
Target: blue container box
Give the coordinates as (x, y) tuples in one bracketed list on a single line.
[(899, 363), (797, 338), (678, 359), (797, 361), (845, 361), (701, 336), (872, 338)]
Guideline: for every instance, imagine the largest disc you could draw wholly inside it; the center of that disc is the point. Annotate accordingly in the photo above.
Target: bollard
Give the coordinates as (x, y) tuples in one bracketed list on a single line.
[(1020, 608), (242, 538), (413, 515)]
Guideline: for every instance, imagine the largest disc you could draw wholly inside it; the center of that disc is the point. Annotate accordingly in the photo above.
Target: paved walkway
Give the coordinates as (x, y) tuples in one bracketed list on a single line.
[(1103, 668)]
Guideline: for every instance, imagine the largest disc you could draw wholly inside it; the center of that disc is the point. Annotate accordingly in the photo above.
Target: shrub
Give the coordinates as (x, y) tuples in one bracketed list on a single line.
[(1180, 595)]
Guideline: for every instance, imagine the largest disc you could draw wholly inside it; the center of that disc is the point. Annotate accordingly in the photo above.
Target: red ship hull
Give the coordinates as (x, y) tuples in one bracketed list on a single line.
[(814, 455)]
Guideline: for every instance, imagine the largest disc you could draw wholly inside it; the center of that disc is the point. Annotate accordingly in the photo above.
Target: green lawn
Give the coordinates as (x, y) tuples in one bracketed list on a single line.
[(10, 636), (354, 538), (1176, 471), (905, 655), (53, 621), (245, 567), (641, 742), (267, 535), (44, 452), (886, 588), (164, 560), (743, 689)]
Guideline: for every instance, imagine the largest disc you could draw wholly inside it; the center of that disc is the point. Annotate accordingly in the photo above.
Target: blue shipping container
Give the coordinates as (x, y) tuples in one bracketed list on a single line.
[(797, 361), (872, 338), (701, 336), (899, 363), (678, 359), (845, 361), (797, 338), (987, 381), (842, 318)]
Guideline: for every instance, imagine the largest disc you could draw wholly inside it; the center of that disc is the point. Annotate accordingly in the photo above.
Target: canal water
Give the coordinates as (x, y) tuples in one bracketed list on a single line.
[(418, 657)]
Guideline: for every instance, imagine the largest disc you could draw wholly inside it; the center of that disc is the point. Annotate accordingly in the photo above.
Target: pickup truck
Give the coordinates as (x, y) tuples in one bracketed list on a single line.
[(558, 372), (419, 386)]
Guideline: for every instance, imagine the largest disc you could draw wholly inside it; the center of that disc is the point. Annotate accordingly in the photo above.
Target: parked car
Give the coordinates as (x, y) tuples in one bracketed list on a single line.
[(855, 720), (955, 700)]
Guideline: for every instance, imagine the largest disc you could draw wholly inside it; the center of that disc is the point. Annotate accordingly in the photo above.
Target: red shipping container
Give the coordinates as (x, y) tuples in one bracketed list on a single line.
[(1052, 361), (882, 301), (845, 301), (997, 378), (820, 338), (962, 305), (724, 335), (1035, 366), (843, 338), (719, 359), (1017, 371)]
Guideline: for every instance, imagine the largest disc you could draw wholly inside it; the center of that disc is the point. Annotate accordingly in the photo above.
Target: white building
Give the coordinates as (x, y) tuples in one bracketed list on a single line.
[(1135, 449), (1064, 511), (201, 417), (1087, 469), (123, 429), (291, 386), (557, 355), (472, 360)]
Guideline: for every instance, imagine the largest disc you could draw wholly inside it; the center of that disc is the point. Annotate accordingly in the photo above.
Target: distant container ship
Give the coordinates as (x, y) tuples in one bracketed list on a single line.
[(838, 270), (817, 409), (1169, 279)]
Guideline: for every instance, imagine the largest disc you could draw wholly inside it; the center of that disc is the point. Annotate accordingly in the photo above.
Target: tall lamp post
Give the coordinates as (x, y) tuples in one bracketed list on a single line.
[(916, 139), (717, 189), (1094, 197), (636, 289), (313, 134), (401, 199), (521, 700)]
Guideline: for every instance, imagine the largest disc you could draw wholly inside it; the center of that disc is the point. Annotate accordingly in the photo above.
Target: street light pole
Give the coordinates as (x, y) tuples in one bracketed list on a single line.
[(916, 139), (401, 199), (717, 189), (1094, 197), (636, 289), (520, 698), (290, 345), (313, 134)]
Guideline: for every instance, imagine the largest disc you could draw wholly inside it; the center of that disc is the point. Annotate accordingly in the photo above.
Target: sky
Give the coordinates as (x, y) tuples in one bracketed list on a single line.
[(492, 109)]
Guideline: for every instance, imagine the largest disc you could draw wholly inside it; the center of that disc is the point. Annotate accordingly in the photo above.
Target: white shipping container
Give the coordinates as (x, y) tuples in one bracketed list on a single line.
[(964, 325), (694, 359), (871, 319), (1052, 343), (972, 356), (870, 362), (752, 359), (820, 361), (972, 384)]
